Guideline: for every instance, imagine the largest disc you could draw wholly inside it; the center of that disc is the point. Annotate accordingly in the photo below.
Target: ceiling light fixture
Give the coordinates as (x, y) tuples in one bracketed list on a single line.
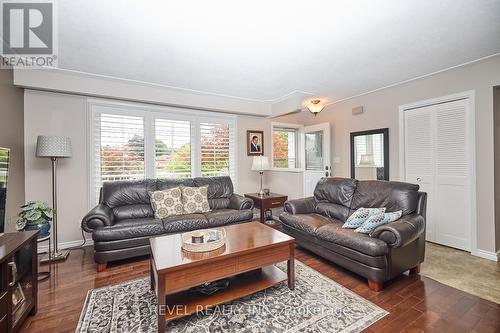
[(315, 107)]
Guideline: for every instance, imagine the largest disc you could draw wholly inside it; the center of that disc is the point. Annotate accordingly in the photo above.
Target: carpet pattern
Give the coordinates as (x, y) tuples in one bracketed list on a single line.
[(318, 304)]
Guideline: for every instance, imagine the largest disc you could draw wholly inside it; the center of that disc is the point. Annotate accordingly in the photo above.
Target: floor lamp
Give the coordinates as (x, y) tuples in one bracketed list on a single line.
[(54, 147)]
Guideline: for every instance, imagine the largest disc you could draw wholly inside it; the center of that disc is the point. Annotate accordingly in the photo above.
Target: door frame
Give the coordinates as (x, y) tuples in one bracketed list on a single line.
[(313, 128), (470, 97)]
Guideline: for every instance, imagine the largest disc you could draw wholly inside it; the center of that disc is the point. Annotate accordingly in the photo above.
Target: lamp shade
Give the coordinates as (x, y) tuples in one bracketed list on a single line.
[(53, 146), (260, 163), (366, 159)]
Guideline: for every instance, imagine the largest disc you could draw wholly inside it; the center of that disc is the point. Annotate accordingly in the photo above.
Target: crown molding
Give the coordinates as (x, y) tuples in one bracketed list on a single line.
[(80, 83), (95, 85)]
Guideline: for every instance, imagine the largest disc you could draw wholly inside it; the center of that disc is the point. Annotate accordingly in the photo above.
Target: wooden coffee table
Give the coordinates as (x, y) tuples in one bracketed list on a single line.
[(251, 248)]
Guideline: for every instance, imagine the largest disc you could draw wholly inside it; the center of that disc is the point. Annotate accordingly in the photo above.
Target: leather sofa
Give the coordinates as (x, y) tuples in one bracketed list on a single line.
[(316, 223), (123, 221)]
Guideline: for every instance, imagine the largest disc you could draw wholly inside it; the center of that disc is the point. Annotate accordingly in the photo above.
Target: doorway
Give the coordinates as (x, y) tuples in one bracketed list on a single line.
[(316, 157)]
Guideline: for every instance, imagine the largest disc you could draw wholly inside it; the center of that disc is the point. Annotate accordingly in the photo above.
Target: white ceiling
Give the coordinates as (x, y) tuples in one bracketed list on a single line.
[(264, 50)]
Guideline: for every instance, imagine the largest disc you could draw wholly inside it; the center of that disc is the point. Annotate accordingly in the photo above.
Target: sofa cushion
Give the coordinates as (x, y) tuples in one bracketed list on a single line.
[(133, 212), (129, 228), (333, 232), (335, 190), (392, 195), (377, 220), (218, 187), (182, 223), (218, 203), (360, 216), (123, 193), (305, 222), (165, 184), (334, 196), (226, 216), (332, 210), (194, 200), (167, 202)]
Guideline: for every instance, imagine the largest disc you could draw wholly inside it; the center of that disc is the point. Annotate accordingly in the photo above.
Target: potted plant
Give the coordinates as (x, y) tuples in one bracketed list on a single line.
[(35, 215)]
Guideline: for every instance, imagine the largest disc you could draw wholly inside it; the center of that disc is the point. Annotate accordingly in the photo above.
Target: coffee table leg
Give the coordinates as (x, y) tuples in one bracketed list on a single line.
[(291, 268), (152, 275), (162, 303)]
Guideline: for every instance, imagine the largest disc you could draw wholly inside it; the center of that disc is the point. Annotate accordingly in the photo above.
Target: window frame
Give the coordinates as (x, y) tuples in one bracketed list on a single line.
[(299, 143), (150, 113)]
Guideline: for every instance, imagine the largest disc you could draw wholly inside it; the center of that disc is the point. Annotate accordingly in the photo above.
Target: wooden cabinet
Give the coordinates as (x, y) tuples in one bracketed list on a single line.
[(18, 279)]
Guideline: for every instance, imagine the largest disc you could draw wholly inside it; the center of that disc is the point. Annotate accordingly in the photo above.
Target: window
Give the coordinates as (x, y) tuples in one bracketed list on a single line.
[(172, 148), (285, 147), (215, 149), (119, 148), (137, 142)]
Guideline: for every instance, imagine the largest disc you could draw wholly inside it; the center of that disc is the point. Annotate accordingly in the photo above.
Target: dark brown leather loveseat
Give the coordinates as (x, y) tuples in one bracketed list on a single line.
[(123, 222), (316, 223)]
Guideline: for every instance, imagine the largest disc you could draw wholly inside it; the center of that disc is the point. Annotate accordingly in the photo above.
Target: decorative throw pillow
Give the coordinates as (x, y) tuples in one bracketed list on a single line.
[(360, 216), (167, 202), (195, 199), (377, 220)]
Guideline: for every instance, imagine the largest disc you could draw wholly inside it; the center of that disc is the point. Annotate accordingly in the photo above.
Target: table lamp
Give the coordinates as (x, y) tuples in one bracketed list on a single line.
[(54, 147), (260, 163)]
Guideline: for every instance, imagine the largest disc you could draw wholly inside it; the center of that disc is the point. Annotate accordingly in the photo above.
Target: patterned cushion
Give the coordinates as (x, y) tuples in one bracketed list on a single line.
[(360, 216), (167, 202), (195, 199), (377, 220)]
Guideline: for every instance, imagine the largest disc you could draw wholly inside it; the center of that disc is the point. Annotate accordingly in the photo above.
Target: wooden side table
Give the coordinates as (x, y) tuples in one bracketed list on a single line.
[(272, 200)]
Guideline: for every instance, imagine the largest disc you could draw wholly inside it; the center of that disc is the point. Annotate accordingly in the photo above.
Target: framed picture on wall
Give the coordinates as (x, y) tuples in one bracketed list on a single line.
[(255, 143)]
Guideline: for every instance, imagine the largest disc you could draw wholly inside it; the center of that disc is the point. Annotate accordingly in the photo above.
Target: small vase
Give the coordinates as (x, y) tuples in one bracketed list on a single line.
[(43, 227)]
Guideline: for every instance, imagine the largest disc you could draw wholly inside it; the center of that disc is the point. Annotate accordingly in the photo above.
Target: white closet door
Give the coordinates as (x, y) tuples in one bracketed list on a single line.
[(437, 141), (419, 158), (453, 175)]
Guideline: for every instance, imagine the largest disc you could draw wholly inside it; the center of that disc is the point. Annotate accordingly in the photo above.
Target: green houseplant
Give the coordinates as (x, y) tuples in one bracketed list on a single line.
[(35, 215)]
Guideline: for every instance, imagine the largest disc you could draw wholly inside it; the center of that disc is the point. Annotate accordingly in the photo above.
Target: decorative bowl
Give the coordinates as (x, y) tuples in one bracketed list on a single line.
[(212, 240)]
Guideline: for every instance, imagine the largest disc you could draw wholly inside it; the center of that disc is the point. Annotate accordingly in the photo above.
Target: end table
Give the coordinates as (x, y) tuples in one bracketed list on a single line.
[(272, 200)]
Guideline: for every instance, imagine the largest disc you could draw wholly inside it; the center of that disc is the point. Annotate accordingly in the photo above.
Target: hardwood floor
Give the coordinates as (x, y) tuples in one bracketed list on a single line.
[(415, 303)]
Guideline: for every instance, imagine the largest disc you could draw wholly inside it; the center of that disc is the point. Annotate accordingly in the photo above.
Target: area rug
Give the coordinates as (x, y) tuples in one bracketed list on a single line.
[(318, 304)]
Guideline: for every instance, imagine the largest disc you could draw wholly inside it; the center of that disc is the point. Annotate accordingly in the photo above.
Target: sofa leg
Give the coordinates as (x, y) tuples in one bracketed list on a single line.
[(415, 270), (375, 286), (101, 267)]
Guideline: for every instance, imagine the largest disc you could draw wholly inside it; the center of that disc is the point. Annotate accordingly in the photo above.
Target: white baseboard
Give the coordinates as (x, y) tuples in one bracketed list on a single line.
[(487, 254), (43, 247)]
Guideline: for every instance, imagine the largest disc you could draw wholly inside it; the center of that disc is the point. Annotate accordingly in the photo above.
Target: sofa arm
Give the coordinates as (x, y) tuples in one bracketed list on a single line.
[(301, 206), (401, 232), (239, 202), (100, 216)]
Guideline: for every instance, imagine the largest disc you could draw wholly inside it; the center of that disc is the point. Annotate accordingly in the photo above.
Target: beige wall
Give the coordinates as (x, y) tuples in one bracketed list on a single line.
[(52, 113), (65, 114), (496, 112), (382, 111), (58, 114), (11, 136), (288, 183)]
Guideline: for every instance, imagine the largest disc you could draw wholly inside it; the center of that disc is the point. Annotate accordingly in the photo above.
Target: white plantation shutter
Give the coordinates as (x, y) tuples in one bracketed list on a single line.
[(217, 151), (136, 142), (118, 148), (172, 148)]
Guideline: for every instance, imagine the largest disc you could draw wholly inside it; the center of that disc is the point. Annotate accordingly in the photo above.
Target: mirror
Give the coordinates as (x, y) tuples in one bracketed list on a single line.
[(370, 154)]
